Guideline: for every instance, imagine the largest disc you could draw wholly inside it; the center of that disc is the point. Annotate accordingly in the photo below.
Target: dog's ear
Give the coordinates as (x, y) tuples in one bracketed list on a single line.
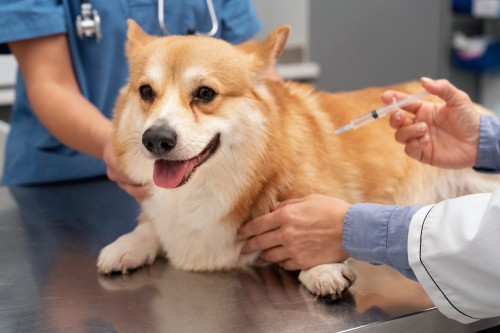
[(272, 47), (267, 51), (136, 38)]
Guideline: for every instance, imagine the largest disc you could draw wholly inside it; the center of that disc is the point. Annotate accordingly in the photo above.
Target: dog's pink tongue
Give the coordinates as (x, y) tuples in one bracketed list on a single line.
[(169, 174)]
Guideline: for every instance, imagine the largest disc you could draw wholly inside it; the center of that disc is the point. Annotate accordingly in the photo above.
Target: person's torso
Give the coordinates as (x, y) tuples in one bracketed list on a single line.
[(101, 69)]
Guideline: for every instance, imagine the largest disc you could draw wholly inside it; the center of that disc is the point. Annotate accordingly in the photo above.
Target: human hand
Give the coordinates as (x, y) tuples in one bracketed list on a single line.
[(299, 233), (114, 173), (443, 135)]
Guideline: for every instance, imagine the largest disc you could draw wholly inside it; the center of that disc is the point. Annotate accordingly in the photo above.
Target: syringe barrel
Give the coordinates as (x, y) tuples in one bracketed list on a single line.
[(363, 120)]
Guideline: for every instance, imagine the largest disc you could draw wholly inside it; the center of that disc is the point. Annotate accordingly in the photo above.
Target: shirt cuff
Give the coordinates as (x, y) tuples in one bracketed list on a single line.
[(379, 234), (488, 155)]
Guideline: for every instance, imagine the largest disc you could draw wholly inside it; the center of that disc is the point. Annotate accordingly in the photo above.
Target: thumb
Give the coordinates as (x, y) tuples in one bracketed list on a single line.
[(445, 90)]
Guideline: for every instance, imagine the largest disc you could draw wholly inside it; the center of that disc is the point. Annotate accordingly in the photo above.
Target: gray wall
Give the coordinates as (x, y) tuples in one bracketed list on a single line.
[(362, 43)]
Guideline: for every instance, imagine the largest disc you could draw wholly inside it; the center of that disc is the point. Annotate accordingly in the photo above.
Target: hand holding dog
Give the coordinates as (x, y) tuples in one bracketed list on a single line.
[(299, 233), (443, 135), (114, 173)]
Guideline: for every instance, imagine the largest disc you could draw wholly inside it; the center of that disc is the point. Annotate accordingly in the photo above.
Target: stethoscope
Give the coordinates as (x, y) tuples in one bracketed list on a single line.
[(88, 23)]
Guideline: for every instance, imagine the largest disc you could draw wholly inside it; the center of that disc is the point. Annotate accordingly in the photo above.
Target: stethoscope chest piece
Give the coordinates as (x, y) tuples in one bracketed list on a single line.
[(88, 23)]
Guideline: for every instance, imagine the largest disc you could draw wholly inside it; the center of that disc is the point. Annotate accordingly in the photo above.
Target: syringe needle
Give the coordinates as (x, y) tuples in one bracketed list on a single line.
[(343, 129), (380, 112)]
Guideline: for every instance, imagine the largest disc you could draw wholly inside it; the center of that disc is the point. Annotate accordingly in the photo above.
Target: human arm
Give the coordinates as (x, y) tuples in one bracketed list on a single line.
[(380, 217), (302, 233), (388, 226), (53, 92), (369, 232), (451, 248)]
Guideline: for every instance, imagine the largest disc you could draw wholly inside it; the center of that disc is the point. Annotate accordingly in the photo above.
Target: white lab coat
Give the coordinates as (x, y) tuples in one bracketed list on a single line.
[(454, 251)]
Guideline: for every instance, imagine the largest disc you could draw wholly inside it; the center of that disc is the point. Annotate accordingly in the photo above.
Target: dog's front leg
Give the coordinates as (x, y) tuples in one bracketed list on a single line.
[(132, 250), (328, 279)]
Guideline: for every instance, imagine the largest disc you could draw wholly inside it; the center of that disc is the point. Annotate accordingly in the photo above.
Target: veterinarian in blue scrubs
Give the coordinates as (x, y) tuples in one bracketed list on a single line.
[(452, 248), (67, 86)]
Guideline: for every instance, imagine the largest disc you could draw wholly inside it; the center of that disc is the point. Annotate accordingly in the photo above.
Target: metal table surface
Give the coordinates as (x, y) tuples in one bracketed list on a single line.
[(50, 237)]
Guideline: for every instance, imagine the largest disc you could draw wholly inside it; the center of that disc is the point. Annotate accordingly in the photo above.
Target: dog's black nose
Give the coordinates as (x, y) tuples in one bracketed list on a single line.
[(159, 140)]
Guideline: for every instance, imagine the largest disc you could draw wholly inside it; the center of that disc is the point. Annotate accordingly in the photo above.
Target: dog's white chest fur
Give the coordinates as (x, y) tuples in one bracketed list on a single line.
[(191, 228)]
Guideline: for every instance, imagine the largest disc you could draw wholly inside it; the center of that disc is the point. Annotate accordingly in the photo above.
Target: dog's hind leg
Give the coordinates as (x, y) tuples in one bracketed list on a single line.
[(328, 279), (132, 250)]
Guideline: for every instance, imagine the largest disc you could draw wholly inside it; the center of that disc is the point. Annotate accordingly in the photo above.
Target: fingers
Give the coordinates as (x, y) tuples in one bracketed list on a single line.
[(389, 96), (411, 132), (415, 137), (289, 265), (415, 149), (258, 226), (116, 174), (139, 192), (445, 90), (276, 254), (399, 119), (264, 241)]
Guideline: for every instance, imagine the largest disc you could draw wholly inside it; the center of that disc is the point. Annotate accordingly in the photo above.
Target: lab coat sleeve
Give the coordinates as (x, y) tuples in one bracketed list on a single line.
[(29, 19), (454, 251)]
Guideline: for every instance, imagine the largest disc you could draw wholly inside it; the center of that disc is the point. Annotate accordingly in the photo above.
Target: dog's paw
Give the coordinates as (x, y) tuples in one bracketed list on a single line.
[(329, 279), (130, 251)]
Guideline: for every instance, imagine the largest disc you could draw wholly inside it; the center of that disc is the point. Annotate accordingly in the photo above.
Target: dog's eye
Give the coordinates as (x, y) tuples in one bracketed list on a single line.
[(205, 94), (146, 92)]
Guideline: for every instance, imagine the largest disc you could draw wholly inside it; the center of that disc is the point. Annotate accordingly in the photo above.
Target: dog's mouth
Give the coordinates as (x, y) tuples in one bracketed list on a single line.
[(175, 173)]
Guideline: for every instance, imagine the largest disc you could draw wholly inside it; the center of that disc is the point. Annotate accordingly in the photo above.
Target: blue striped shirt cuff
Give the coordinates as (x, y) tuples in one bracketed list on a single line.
[(379, 234), (488, 155)]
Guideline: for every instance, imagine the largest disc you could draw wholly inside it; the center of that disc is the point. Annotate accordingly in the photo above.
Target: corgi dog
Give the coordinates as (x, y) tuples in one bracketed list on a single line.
[(220, 143)]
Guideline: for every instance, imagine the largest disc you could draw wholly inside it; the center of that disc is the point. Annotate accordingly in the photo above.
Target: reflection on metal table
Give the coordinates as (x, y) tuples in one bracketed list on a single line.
[(50, 237)]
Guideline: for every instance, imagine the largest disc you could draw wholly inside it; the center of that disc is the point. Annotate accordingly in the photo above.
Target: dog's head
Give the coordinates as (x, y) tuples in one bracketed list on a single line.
[(190, 99)]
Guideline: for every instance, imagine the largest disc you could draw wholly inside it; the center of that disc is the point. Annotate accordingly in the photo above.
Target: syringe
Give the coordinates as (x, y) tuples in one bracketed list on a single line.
[(380, 112)]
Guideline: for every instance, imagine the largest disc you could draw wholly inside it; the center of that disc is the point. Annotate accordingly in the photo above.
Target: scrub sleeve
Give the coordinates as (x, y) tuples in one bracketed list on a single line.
[(30, 19)]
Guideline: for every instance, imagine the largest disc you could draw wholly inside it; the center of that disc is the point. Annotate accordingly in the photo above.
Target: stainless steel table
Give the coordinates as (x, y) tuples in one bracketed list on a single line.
[(50, 237)]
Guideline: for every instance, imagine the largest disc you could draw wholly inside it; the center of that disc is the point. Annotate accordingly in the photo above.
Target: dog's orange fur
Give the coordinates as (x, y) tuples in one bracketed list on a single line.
[(288, 148)]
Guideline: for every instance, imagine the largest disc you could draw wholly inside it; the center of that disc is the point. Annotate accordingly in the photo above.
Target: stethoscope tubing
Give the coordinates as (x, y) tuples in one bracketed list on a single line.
[(211, 10), (92, 21)]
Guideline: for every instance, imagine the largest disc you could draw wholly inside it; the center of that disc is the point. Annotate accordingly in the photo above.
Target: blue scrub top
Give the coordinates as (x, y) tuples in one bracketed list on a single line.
[(33, 155)]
